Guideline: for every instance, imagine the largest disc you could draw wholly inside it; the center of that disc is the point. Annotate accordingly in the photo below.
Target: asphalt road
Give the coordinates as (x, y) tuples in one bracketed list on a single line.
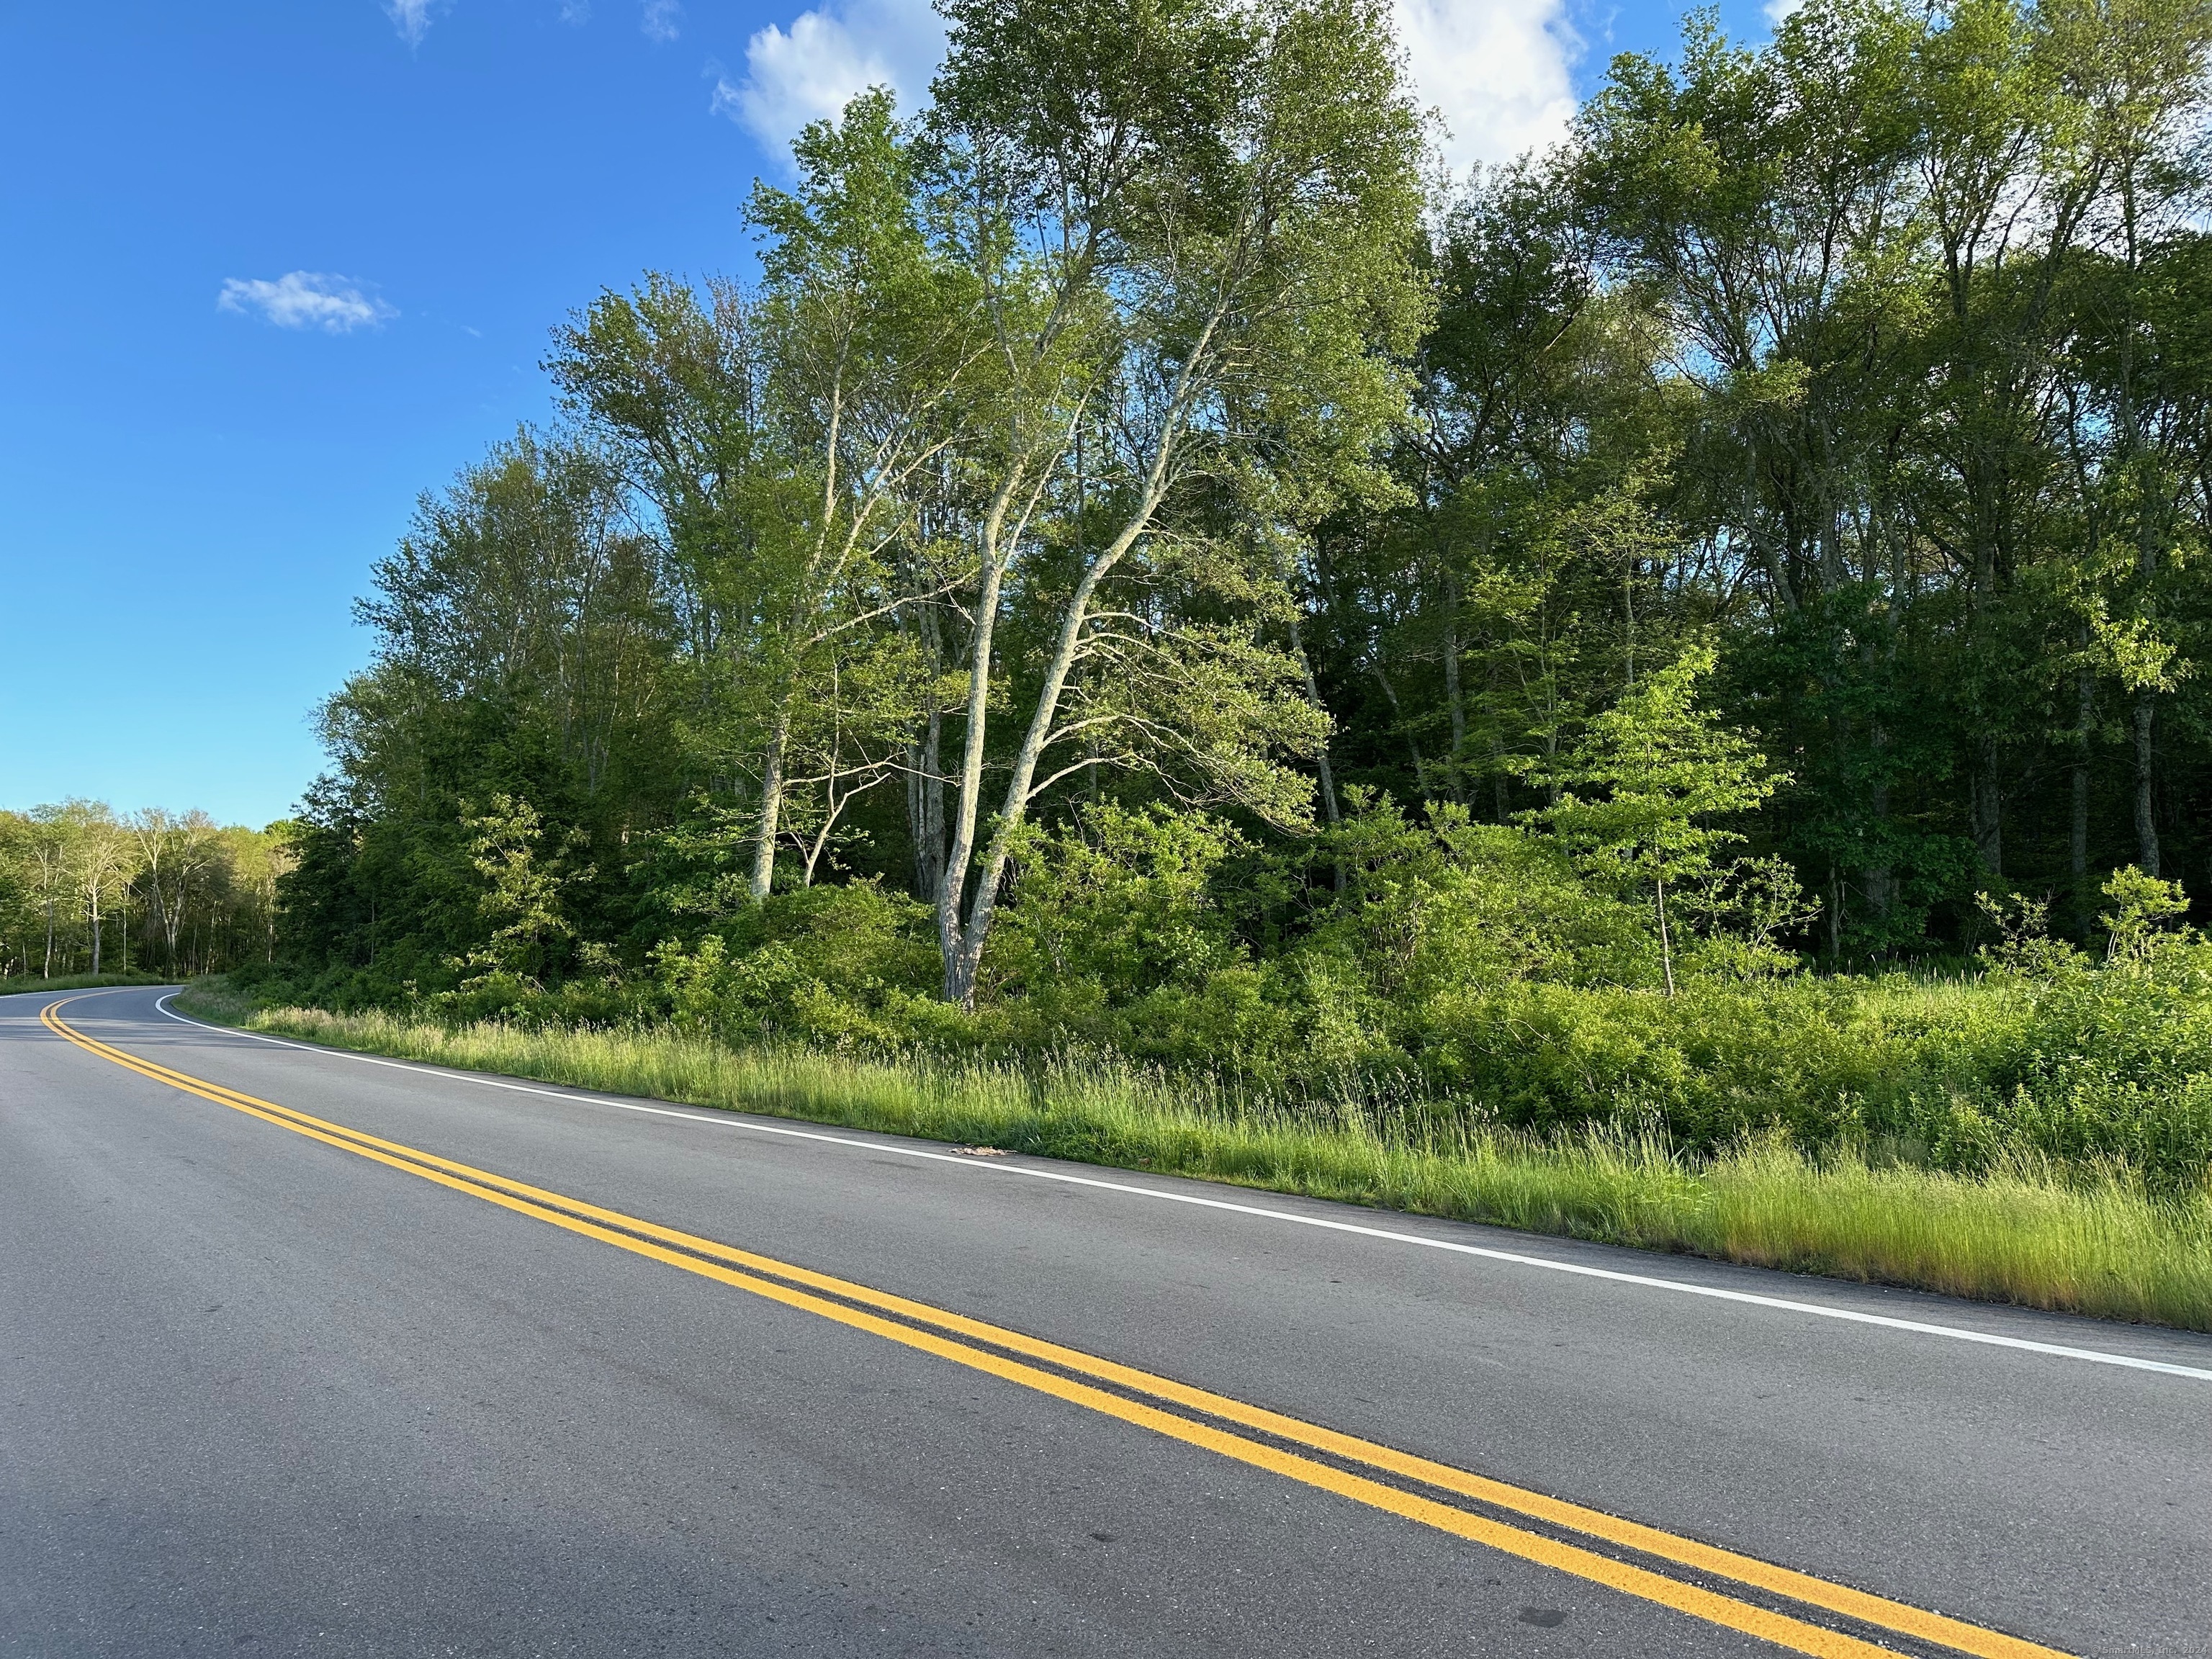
[(263, 1393)]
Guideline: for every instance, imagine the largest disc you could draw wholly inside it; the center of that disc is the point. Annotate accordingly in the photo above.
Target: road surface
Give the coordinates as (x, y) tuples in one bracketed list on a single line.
[(307, 1354)]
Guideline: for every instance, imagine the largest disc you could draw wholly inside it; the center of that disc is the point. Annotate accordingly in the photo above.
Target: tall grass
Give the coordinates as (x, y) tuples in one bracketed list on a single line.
[(26, 983), (2027, 1233)]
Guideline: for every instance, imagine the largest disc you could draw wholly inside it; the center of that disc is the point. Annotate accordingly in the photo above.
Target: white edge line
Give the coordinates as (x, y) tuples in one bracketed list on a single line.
[(713, 1117)]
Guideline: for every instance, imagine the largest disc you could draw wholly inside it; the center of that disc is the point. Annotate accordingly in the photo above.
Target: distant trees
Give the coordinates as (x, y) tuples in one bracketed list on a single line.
[(84, 890)]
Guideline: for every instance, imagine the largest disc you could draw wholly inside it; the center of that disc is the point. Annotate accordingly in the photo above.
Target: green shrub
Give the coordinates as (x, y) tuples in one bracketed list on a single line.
[(838, 964), (1463, 974)]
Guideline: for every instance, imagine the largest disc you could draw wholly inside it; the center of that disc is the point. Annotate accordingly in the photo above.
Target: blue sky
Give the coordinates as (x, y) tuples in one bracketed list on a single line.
[(270, 268)]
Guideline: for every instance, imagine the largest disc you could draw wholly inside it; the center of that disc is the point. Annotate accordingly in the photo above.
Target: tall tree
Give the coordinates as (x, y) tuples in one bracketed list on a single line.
[(784, 437), (101, 867), (2133, 75), (1194, 221)]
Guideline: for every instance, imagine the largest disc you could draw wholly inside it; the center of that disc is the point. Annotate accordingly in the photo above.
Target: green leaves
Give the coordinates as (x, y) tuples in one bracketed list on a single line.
[(1658, 769), (1124, 429), (2145, 917), (522, 891)]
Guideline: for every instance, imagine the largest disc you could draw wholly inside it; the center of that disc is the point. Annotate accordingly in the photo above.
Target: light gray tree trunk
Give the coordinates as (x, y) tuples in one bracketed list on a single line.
[(763, 879), (959, 960), (963, 940)]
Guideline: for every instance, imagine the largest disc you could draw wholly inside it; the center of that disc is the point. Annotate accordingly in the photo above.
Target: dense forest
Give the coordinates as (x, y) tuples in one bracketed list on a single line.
[(1143, 564), (84, 890)]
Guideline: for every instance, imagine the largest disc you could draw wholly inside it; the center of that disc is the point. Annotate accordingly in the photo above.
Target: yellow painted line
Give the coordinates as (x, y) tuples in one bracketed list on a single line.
[(1897, 1617)]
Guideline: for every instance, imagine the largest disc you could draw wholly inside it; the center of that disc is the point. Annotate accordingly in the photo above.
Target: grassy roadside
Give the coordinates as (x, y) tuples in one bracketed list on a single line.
[(28, 983), (2100, 1246)]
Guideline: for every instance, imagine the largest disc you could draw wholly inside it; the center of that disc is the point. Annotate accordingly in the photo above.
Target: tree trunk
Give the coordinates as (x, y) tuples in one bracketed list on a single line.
[(1412, 743), (925, 779), (814, 851), (1666, 943), (961, 968), (925, 809), (953, 945), (1987, 807), (962, 941), (1454, 700), (965, 958), (1326, 773), (763, 871), (2077, 827), (2145, 823), (962, 965), (173, 918)]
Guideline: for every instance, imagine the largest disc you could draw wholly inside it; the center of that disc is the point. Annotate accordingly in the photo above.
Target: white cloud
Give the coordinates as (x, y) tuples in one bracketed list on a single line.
[(1496, 69), (305, 299), (1778, 11), (410, 17), (661, 18), (827, 57), (576, 12)]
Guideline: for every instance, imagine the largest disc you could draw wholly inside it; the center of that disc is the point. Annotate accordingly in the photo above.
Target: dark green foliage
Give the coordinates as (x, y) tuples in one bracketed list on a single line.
[(1120, 586), (834, 963)]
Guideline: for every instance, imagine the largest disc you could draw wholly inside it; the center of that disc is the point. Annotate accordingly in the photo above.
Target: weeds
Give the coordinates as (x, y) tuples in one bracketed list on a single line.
[(2087, 1239), (31, 982)]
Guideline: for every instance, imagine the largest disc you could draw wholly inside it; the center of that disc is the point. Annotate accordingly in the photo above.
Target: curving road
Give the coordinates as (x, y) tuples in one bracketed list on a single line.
[(309, 1354)]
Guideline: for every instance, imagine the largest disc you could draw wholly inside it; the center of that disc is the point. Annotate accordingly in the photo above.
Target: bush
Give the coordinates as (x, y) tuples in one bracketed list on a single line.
[(1465, 973), (840, 964)]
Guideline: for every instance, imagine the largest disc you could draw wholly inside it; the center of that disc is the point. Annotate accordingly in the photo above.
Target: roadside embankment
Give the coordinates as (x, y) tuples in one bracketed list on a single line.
[(26, 984), (2094, 1241)]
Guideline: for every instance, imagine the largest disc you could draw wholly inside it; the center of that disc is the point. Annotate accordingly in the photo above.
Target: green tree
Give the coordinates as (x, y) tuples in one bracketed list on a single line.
[(784, 437), (1660, 769), (1195, 221), (522, 891), (2146, 916)]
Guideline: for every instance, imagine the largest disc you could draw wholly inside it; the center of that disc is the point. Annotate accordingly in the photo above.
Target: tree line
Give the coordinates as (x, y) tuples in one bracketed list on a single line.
[(1137, 527), (84, 889)]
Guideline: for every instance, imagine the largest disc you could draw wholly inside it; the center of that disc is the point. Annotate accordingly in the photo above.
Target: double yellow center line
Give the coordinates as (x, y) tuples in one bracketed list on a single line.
[(1325, 1459)]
